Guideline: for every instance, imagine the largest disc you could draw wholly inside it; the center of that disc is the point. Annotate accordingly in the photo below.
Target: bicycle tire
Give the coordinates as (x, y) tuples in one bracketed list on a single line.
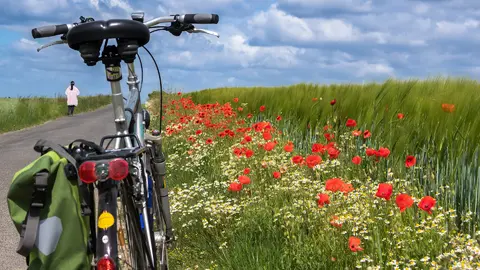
[(135, 238), (159, 226)]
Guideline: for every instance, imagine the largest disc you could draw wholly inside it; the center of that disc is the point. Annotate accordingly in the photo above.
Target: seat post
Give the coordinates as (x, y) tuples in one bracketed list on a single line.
[(111, 59)]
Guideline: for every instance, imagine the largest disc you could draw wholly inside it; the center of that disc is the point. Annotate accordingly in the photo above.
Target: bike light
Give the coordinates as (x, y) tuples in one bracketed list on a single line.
[(118, 169), (106, 263), (87, 172)]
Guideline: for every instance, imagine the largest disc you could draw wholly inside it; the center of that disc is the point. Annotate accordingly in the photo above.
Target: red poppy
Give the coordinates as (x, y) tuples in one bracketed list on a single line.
[(410, 161), (384, 191), (333, 102), (426, 204), (351, 123), (237, 151), (356, 133), (322, 199), (249, 115), (333, 153), (249, 153), (448, 107), (279, 118), (191, 139), (370, 152), (247, 138), (356, 160), (383, 152), (400, 116), (297, 159), (269, 146), (317, 147), (277, 175), (245, 180), (367, 134), (329, 136), (234, 186), (334, 184), (354, 244), (267, 135), (240, 109), (313, 160), (288, 147), (246, 171), (314, 99), (262, 108), (403, 201), (346, 188), (198, 132), (326, 127), (335, 223), (235, 99), (179, 93), (209, 141)]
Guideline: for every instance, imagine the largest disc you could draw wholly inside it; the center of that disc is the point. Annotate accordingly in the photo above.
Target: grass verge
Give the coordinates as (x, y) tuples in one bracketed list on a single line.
[(276, 220), (19, 113)]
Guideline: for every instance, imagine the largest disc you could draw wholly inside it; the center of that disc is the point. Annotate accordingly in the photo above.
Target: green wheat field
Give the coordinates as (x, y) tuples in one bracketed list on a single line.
[(241, 198)]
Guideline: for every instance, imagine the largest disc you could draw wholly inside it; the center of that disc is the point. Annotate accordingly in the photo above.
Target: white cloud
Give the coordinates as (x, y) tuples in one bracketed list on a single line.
[(421, 8), (234, 51), (120, 4), (196, 6), (35, 7), (27, 45), (456, 28), (94, 3), (310, 7), (277, 25)]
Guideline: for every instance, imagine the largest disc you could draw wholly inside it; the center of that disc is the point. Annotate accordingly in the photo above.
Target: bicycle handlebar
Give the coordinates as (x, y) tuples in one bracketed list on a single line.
[(50, 30), (199, 18), (53, 30)]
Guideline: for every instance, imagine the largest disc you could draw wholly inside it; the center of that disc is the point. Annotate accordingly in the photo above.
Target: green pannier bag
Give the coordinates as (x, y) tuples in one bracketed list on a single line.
[(48, 207)]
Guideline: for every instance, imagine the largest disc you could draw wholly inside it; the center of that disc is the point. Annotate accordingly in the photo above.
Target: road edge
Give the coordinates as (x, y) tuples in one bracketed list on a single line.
[(51, 120)]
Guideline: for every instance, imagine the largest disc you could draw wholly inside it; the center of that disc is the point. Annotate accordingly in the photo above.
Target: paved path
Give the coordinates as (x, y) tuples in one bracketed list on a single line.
[(16, 151)]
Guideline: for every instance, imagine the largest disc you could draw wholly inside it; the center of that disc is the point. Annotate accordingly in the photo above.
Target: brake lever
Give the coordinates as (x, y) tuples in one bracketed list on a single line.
[(208, 32), (51, 44)]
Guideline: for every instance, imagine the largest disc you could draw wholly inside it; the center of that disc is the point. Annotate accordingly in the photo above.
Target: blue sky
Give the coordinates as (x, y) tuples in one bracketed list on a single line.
[(262, 43)]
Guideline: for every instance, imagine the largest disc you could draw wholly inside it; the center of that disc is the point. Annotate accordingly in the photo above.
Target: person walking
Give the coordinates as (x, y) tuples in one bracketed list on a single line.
[(72, 94)]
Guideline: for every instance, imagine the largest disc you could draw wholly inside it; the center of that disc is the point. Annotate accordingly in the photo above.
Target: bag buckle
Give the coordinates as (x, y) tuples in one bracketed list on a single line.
[(40, 190)]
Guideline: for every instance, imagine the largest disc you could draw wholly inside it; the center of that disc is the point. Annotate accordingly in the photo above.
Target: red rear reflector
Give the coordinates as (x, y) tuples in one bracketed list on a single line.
[(87, 173), (118, 169), (106, 263)]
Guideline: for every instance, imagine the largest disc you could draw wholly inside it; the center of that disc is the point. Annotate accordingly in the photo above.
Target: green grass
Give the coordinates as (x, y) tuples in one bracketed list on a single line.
[(275, 224), (448, 144), (18, 113)]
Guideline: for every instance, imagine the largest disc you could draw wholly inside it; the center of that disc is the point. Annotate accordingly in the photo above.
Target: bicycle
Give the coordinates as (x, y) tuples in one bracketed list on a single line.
[(134, 169)]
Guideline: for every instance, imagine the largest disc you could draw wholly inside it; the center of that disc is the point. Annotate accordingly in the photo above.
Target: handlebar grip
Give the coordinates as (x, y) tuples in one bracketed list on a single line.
[(199, 18), (49, 30)]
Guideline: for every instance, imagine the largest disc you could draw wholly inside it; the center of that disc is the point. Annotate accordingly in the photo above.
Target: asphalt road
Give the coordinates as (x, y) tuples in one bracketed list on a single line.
[(16, 151)]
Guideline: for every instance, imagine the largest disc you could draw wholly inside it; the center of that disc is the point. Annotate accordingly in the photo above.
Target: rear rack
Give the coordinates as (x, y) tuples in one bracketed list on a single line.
[(117, 153)]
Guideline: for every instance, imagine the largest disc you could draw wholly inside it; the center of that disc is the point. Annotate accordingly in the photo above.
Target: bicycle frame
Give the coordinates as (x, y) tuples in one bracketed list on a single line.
[(108, 191)]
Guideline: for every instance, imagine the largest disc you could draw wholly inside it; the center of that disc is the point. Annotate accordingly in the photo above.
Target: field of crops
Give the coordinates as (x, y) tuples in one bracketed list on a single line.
[(325, 177), (18, 113)]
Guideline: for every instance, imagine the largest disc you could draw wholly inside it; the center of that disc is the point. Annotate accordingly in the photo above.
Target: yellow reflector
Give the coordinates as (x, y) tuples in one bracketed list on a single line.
[(105, 220)]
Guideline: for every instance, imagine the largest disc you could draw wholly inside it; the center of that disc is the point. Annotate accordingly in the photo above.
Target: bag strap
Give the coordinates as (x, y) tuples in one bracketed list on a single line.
[(98, 149), (41, 147), (28, 236)]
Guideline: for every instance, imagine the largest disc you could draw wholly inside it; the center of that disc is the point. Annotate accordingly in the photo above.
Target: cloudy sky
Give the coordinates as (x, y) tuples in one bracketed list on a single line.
[(262, 43)]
